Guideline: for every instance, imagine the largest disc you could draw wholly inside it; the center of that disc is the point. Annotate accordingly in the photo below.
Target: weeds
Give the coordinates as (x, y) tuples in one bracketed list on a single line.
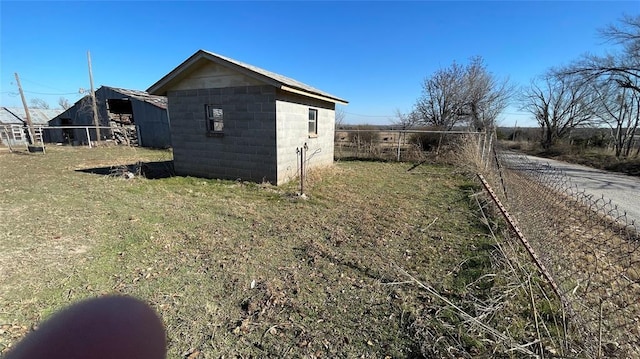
[(247, 270)]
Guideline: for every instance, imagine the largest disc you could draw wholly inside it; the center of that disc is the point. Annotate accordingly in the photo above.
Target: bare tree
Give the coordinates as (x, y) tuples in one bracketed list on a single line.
[(459, 94), (619, 109), (441, 101), (339, 116), (622, 67), (614, 80), (64, 103), (559, 104), (485, 96), (39, 103), (406, 120)]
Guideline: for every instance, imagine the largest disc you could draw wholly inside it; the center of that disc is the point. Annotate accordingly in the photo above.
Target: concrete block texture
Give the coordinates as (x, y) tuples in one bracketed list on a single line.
[(240, 151), (292, 132), (263, 127)]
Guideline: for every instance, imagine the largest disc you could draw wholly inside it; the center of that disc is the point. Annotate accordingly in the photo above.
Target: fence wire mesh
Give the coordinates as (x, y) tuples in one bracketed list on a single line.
[(590, 247), (394, 145)]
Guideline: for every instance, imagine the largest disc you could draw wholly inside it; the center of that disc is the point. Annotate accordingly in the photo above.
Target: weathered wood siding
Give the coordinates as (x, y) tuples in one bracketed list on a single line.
[(246, 150), (81, 115), (152, 121)]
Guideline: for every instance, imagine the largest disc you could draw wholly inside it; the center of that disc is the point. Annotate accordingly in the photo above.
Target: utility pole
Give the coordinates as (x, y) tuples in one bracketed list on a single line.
[(32, 140), (94, 106)]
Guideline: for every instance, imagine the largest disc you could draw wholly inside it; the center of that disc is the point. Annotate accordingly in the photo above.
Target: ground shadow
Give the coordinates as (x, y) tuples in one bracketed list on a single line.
[(359, 159), (149, 170)]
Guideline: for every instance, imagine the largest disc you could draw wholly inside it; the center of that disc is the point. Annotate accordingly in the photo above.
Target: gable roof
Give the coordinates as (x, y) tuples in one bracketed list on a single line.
[(284, 83), (16, 115)]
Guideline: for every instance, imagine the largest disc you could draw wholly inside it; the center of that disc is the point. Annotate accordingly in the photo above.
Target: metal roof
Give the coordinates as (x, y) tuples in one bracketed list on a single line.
[(285, 83), (16, 115), (158, 101)]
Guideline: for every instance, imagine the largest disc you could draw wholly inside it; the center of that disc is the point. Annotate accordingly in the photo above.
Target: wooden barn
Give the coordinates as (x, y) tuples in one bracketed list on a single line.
[(133, 117), (232, 120)]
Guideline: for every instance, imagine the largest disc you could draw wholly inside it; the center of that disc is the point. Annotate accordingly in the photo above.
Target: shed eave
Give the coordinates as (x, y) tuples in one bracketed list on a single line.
[(284, 83), (313, 95)]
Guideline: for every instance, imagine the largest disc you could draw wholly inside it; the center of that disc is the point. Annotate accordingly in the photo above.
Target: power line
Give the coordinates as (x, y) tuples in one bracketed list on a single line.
[(43, 85), (515, 113), (50, 93), (361, 115), (44, 93)]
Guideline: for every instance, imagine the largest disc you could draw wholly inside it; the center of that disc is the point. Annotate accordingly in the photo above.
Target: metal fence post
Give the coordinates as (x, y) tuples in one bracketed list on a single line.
[(88, 136)]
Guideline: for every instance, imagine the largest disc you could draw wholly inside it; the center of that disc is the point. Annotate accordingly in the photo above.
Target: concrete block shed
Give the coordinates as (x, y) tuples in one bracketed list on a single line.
[(231, 120)]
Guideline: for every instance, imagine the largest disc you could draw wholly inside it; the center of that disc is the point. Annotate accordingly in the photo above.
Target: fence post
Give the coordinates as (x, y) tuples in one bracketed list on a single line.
[(486, 165), (4, 130), (301, 151), (484, 146), (88, 137), (399, 137)]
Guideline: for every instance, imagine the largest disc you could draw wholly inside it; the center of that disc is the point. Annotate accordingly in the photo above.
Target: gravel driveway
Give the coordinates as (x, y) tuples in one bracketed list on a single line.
[(622, 190)]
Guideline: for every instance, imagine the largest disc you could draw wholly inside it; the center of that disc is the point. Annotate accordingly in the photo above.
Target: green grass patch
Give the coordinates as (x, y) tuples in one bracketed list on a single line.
[(240, 269)]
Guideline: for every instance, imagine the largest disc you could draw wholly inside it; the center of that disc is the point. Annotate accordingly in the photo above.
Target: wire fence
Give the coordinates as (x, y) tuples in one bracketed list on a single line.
[(19, 135), (589, 246), (587, 303), (396, 145)]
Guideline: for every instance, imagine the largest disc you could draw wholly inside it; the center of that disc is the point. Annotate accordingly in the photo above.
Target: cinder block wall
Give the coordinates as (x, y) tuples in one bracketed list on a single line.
[(292, 131), (247, 150)]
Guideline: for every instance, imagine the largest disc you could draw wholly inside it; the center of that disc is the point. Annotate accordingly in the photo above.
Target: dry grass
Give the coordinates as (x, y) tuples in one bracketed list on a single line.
[(594, 262), (250, 270)]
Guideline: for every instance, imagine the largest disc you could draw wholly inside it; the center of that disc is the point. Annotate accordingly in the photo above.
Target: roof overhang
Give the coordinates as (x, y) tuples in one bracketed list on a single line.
[(313, 95), (162, 86)]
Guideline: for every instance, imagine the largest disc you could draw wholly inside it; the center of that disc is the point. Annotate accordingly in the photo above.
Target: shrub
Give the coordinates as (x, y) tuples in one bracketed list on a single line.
[(427, 141), (365, 135)]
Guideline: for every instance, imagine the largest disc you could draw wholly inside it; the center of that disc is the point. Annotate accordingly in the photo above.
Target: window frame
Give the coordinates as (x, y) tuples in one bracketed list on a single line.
[(313, 133), (211, 118)]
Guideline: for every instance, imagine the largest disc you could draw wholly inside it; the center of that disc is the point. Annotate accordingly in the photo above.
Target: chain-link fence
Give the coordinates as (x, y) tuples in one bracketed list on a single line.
[(589, 246), (396, 145)]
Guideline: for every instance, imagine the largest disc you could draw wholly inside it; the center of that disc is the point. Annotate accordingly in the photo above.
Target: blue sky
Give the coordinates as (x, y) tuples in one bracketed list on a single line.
[(374, 54)]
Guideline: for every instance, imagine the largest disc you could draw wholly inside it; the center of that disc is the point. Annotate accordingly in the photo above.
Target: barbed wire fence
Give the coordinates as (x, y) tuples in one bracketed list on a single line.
[(589, 246)]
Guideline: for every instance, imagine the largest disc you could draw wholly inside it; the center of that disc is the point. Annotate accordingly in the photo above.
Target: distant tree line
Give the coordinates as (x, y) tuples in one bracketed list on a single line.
[(592, 91)]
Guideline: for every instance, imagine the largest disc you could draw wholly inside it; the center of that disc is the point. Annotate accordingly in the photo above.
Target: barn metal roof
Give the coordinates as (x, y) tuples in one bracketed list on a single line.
[(283, 82), (159, 101), (16, 115)]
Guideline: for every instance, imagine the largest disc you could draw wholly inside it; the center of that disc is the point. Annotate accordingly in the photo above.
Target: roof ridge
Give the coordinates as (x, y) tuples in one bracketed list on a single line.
[(285, 80), (268, 77)]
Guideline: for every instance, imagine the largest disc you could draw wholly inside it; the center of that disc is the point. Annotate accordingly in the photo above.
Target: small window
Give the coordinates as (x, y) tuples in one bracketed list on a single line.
[(214, 119), (313, 122)]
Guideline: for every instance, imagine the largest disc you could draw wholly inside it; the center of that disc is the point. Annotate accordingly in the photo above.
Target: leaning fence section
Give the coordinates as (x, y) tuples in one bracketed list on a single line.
[(590, 247)]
